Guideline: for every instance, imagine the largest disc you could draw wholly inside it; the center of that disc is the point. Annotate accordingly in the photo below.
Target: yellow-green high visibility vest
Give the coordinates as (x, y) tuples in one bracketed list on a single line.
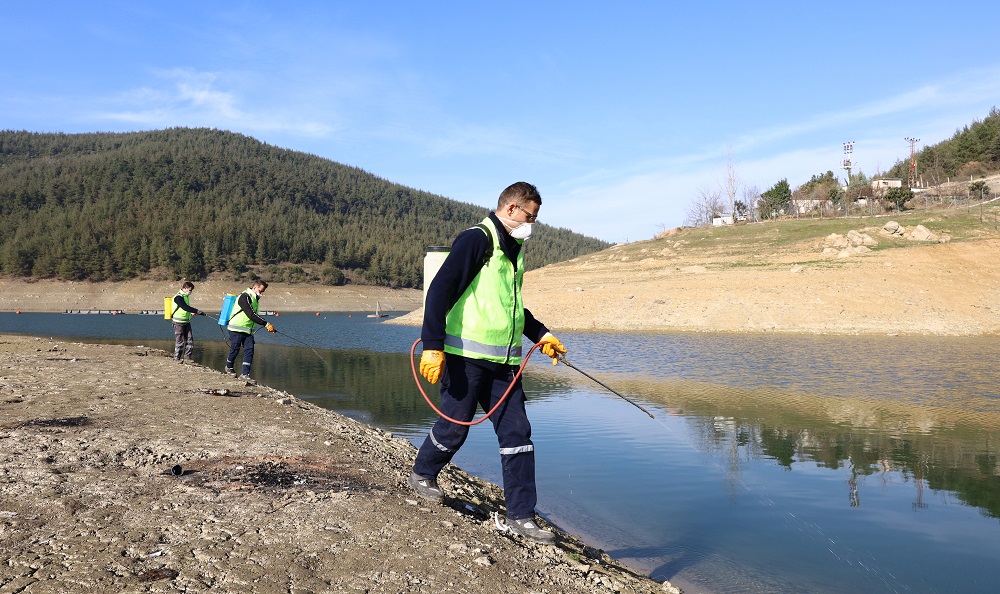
[(241, 322), (181, 316), (487, 321)]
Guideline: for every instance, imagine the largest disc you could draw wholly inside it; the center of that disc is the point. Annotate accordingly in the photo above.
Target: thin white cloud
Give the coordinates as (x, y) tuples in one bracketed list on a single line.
[(658, 192), (463, 140), (971, 87), (193, 98), (198, 92)]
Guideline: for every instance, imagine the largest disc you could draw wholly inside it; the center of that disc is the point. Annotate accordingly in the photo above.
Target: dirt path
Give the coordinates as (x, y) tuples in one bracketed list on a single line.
[(268, 493)]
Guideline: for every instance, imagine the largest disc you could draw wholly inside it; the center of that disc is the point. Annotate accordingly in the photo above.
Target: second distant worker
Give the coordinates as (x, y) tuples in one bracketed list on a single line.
[(181, 318), (241, 326)]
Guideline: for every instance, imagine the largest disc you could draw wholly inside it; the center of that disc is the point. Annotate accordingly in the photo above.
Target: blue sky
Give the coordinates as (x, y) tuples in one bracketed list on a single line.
[(620, 112)]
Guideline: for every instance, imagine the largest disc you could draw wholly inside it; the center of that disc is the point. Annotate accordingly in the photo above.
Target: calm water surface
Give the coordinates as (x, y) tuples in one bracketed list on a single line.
[(774, 463)]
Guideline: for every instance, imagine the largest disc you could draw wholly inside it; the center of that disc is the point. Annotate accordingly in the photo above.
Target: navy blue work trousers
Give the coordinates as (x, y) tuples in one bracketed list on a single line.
[(237, 340), (464, 386)]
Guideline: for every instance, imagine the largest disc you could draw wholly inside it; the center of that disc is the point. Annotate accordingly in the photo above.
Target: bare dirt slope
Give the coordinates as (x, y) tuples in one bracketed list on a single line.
[(784, 277), (268, 494), (931, 288)]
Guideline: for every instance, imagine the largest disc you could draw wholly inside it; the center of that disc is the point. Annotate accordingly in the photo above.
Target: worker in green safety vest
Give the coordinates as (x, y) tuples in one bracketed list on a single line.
[(241, 325), (474, 319), (181, 318)]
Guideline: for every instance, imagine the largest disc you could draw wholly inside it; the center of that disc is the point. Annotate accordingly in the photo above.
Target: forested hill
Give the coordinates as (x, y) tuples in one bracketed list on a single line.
[(189, 202), (973, 151)]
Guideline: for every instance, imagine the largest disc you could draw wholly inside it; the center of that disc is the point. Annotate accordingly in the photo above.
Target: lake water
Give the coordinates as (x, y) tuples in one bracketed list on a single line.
[(774, 463)]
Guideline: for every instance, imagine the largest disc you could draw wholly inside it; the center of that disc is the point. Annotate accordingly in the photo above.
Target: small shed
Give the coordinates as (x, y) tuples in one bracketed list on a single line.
[(879, 186)]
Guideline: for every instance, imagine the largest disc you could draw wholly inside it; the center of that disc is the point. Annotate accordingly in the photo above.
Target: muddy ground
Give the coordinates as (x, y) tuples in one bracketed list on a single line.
[(123, 471)]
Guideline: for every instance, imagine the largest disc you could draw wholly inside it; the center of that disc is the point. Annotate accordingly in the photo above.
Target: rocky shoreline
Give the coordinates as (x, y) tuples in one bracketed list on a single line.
[(124, 471)]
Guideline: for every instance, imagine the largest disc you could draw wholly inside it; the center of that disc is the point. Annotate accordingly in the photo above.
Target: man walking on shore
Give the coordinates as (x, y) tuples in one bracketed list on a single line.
[(181, 318), (242, 324), (473, 322)]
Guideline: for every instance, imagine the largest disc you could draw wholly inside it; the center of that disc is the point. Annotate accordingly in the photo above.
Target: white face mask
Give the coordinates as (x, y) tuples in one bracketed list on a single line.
[(522, 231)]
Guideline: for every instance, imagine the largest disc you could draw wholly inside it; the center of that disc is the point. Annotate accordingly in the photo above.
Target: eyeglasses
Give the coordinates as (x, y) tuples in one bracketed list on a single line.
[(531, 218)]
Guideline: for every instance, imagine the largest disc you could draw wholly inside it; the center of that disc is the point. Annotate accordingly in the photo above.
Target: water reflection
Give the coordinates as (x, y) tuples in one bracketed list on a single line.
[(951, 448), (928, 371), (775, 463)]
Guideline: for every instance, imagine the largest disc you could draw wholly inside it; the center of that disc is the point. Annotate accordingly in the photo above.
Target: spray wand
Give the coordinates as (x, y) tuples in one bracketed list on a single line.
[(520, 370), (305, 344), (563, 360)]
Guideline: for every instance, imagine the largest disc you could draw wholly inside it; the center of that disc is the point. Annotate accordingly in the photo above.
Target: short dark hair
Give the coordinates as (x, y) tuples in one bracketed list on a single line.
[(260, 283), (519, 193), (187, 285)]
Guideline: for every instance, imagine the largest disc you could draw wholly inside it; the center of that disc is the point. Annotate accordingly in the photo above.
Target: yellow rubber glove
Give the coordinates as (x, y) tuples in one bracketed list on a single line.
[(431, 364), (270, 328), (553, 348)]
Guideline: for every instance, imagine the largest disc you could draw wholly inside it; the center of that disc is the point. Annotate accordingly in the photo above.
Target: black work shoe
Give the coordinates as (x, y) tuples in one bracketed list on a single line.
[(230, 371), (530, 530), (425, 487)]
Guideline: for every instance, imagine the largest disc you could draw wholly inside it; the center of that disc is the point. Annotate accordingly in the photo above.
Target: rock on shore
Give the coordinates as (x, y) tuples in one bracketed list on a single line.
[(123, 471)]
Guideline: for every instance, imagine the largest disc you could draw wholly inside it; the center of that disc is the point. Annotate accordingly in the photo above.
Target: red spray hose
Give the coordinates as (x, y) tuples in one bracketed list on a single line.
[(416, 378), (561, 359)]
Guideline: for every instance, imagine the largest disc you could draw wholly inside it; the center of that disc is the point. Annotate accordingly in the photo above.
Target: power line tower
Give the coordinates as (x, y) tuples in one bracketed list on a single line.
[(848, 149), (911, 180)]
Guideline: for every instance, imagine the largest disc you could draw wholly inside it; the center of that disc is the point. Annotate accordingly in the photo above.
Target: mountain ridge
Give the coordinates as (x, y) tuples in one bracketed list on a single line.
[(190, 202)]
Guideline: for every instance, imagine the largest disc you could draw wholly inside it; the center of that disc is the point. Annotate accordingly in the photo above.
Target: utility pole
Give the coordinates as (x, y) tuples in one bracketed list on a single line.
[(848, 149), (911, 181)]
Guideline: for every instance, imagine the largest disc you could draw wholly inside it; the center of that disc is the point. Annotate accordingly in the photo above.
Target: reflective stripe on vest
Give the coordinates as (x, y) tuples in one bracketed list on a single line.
[(241, 322), (487, 321), (471, 346), (181, 316)]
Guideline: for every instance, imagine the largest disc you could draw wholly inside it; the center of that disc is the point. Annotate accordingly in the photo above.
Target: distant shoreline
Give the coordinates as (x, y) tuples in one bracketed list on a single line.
[(665, 285), (133, 297)]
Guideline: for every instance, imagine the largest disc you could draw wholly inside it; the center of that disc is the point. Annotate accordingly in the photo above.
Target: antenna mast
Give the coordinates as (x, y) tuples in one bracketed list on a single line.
[(911, 181)]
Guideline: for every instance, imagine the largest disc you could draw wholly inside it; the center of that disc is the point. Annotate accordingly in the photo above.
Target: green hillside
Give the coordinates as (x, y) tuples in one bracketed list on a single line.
[(186, 203), (972, 152)]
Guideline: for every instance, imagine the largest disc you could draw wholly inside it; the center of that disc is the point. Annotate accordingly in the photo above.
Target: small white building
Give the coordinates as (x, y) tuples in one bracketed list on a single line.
[(806, 205), (879, 186), (723, 220)]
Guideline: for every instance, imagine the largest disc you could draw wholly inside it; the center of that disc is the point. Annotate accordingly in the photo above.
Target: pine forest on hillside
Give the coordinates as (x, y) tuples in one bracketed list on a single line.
[(971, 152), (187, 203)]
